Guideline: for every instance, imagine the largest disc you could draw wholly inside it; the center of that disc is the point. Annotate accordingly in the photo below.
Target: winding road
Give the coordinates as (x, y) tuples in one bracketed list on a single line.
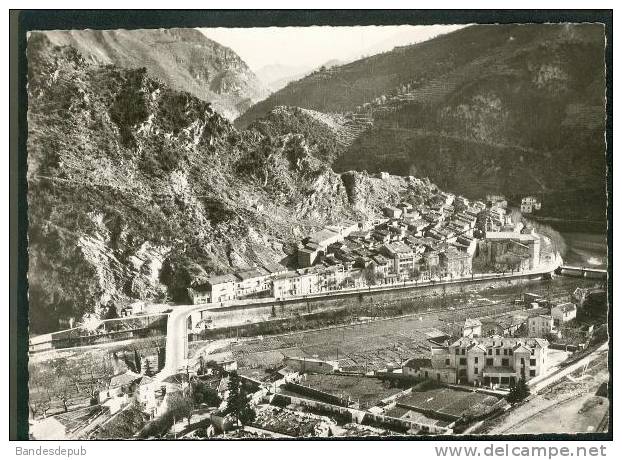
[(177, 331)]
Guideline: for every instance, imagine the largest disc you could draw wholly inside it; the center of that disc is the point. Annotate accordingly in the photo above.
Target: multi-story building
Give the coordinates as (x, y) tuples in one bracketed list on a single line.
[(307, 255), (455, 262), (497, 244), (317, 243), (392, 212), (198, 294), (530, 203), (539, 325), (251, 281), (215, 289), (489, 361), (403, 257), (381, 264), (294, 283)]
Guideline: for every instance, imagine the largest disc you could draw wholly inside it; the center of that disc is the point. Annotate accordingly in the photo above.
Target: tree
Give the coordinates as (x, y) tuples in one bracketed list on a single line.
[(111, 312), (137, 364), (62, 391), (131, 365), (180, 406), (203, 394), (40, 406), (518, 392), (237, 401), (148, 371), (369, 275)]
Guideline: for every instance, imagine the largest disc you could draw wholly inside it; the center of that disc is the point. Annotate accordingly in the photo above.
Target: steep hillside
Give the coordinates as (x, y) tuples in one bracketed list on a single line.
[(137, 190), (182, 58), (516, 109)]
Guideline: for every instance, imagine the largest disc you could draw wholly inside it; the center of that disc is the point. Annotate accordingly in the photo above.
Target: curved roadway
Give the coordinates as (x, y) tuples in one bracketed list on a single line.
[(177, 333)]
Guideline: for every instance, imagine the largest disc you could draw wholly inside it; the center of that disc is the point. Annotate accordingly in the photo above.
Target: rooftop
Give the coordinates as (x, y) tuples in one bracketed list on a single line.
[(322, 236), (418, 362), (220, 279), (509, 236), (124, 379), (274, 267), (498, 342), (566, 307), (398, 247), (249, 274), (470, 322)]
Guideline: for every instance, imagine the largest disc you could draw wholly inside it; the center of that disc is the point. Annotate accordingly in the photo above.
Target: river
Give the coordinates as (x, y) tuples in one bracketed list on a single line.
[(585, 249)]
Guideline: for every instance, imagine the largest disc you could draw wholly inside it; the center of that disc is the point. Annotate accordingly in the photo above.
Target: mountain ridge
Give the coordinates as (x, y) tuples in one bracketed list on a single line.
[(184, 59), (502, 104)]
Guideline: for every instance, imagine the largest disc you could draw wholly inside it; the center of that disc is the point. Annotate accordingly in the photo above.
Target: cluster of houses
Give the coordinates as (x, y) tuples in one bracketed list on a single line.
[(544, 318), (552, 317), (495, 351), (530, 204), (439, 239)]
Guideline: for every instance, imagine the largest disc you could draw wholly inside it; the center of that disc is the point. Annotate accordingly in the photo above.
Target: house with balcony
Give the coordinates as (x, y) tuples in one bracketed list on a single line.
[(486, 361), (251, 281)]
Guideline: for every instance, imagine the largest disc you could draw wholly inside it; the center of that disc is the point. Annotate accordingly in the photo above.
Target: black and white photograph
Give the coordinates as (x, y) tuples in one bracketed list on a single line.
[(397, 229)]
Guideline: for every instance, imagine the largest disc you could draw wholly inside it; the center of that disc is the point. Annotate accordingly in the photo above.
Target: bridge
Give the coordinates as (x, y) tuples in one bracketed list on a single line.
[(582, 272)]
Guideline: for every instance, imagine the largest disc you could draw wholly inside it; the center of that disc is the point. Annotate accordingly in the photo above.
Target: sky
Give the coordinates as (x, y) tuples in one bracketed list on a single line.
[(313, 46)]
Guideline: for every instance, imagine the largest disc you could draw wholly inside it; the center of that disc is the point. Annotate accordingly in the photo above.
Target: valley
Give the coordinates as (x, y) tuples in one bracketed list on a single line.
[(407, 243)]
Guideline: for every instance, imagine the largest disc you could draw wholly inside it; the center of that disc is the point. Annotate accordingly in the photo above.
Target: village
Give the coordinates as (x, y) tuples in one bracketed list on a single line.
[(446, 238), (437, 373), (417, 367)]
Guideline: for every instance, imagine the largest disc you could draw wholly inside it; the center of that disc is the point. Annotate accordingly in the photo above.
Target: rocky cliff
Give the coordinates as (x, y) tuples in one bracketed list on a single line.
[(137, 190)]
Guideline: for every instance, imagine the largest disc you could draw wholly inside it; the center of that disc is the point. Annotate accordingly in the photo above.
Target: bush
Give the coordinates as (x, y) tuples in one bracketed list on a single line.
[(518, 392)]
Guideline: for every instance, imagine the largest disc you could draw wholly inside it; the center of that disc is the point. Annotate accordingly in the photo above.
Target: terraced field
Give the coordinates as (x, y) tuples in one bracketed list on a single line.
[(365, 391), (367, 346), (445, 401)]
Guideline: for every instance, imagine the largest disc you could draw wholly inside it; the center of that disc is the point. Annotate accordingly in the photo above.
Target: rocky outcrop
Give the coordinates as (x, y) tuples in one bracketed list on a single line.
[(136, 191)]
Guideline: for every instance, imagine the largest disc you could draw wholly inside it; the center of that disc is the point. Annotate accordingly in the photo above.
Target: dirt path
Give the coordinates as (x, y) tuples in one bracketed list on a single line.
[(569, 406)]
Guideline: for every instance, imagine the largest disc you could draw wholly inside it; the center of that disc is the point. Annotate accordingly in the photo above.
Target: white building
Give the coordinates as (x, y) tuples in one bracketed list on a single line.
[(490, 361), (563, 313)]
